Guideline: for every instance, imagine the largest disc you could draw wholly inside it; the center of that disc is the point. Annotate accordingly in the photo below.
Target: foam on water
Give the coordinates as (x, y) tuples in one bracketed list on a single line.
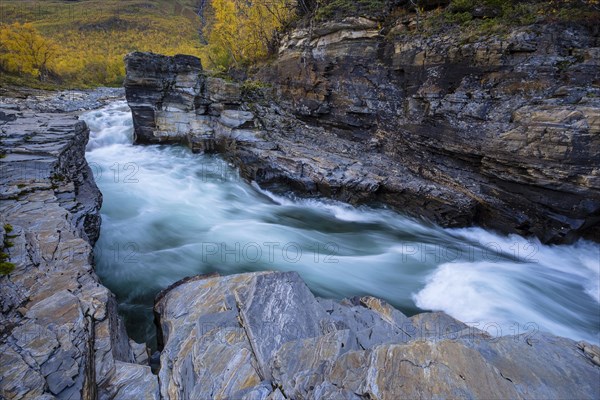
[(168, 214)]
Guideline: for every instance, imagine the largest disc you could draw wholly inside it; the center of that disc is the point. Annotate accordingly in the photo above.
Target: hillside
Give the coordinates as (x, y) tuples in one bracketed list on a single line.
[(82, 43), (90, 37)]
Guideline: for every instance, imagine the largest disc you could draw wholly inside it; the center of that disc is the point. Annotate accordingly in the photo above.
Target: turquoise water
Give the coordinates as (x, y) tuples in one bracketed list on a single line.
[(169, 214)]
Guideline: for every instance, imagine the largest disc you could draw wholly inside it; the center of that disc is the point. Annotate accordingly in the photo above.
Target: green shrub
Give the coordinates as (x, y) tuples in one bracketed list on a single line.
[(6, 267), (459, 18), (461, 6), (251, 87), (337, 9)]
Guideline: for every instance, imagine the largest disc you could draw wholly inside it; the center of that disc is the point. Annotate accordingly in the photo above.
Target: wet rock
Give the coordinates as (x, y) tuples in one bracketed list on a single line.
[(220, 334), (202, 344), (421, 370), (132, 382), (540, 365), (299, 365), (370, 326), (276, 309), (60, 334), (591, 351), (439, 325)]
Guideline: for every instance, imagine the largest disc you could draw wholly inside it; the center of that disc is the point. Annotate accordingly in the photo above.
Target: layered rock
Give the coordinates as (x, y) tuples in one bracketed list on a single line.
[(60, 334), (172, 101), (504, 128), (501, 131), (265, 336)]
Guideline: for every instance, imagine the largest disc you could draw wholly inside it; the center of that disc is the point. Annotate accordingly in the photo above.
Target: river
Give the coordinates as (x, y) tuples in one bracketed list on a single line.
[(168, 214)]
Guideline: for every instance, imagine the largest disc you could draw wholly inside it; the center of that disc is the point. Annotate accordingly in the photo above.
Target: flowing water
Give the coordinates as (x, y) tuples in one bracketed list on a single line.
[(169, 214)]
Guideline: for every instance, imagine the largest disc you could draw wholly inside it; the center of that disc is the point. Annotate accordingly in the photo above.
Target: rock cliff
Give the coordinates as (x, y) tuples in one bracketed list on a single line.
[(250, 336), (505, 126), (265, 336), (502, 131), (60, 334)]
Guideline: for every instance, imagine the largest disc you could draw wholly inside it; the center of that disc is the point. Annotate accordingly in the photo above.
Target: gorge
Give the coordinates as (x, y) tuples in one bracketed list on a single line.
[(169, 214), (446, 181), (500, 132)]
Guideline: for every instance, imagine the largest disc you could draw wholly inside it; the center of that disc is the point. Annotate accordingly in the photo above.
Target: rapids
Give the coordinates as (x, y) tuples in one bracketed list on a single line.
[(168, 214)]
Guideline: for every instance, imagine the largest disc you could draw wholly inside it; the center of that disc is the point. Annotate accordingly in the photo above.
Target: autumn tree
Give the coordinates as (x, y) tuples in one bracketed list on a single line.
[(244, 31), (25, 51)]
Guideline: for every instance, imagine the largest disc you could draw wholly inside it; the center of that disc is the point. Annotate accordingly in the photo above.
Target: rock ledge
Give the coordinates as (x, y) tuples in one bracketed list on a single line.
[(457, 132), (263, 335)]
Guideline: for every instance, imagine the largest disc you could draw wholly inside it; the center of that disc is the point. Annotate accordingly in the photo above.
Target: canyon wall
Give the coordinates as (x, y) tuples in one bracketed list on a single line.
[(502, 131), (506, 125), (60, 333)]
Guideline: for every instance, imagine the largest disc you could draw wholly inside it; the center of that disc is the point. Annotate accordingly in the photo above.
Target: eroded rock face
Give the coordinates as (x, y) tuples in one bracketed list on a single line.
[(501, 132), (60, 334), (172, 101), (162, 93), (264, 336), (504, 129)]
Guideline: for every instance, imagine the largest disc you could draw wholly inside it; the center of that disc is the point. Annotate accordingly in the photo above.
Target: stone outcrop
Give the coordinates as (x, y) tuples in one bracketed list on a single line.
[(501, 132), (172, 101), (60, 334), (503, 128), (263, 335)]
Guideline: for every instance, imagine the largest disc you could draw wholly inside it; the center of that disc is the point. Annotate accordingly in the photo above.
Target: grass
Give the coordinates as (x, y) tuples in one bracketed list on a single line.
[(337, 9), (502, 16), (94, 35), (5, 266)]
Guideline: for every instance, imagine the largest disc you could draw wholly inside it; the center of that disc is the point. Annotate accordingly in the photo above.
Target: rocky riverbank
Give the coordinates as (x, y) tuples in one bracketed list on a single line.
[(500, 132), (265, 336), (60, 334), (67, 101), (503, 128)]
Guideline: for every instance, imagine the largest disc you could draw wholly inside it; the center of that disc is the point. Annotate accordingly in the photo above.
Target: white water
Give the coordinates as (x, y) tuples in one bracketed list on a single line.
[(169, 213)]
